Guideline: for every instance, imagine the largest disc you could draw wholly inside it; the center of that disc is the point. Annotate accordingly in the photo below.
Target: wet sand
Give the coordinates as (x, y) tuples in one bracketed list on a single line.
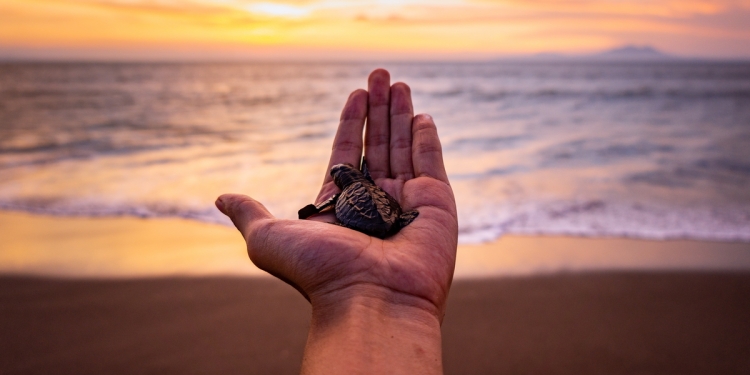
[(613, 323), (117, 247)]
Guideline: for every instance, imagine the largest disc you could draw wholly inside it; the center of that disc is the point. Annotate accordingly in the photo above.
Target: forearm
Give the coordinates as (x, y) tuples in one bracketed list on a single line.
[(373, 333)]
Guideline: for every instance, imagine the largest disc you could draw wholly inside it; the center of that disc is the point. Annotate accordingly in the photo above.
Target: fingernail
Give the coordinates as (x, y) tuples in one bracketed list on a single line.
[(425, 116)]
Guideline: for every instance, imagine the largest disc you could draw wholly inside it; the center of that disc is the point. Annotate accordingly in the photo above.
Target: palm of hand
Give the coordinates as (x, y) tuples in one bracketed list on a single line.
[(318, 258)]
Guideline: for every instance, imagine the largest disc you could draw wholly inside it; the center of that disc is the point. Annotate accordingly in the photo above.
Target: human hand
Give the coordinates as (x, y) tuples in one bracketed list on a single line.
[(339, 270)]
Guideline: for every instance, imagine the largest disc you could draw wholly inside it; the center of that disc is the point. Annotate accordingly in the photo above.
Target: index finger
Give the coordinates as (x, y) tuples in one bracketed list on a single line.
[(347, 145)]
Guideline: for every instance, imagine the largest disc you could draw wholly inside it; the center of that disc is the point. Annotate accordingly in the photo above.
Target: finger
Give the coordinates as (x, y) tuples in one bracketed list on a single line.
[(378, 128), (427, 154), (402, 114), (347, 145), (244, 212)]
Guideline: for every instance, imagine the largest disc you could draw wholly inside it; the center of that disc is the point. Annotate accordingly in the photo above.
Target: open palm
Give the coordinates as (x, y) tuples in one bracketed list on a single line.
[(404, 157)]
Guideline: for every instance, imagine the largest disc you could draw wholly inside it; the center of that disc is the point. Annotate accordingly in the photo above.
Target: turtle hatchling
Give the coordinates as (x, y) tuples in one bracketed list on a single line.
[(362, 205)]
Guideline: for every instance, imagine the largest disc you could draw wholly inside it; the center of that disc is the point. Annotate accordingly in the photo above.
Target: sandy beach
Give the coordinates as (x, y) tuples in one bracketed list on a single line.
[(181, 297), (618, 323)]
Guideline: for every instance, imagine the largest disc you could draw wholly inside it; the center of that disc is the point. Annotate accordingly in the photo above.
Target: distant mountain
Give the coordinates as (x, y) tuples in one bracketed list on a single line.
[(624, 53), (631, 52)]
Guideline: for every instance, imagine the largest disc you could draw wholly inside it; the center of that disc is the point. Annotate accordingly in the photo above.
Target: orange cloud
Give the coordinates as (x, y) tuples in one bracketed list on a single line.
[(468, 28)]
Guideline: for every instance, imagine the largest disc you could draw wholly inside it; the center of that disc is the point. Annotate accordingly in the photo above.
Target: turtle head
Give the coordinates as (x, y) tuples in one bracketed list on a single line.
[(345, 174)]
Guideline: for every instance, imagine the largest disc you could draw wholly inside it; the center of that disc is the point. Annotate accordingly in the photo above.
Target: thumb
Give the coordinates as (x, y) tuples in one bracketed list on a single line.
[(243, 210)]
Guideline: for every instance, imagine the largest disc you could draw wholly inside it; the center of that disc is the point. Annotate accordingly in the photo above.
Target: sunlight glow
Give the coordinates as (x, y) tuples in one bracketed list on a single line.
[(278, 10), (367, 28)]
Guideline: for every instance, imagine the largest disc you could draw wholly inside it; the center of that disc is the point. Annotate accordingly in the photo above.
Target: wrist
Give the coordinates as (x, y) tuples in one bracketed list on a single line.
[(374, 329), (375, 300)]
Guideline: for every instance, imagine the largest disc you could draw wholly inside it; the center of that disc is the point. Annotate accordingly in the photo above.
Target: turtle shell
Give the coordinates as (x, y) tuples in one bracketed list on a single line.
[(365, 207)]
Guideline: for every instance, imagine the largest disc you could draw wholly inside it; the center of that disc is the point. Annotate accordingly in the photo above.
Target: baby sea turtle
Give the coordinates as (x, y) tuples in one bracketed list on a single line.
[(362, 205)]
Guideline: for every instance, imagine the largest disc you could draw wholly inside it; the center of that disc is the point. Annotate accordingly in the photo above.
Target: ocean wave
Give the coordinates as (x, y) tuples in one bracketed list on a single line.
[(598, 218), (629, 93)]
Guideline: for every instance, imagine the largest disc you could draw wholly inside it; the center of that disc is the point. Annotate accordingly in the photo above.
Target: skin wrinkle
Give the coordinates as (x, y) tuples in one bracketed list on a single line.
[(447, 209), (315, 286), (260, 231), (347, 117), (346, 146), (426, 148), (445, 226), (391, 290), (384, 255), (400, 143), (376, 140), (328, 265), (362, 251), (405, 111)]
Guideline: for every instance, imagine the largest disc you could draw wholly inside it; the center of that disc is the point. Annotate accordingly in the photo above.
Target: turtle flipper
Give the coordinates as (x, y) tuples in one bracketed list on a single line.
[(312, 209), (365, 171), (407, 217)]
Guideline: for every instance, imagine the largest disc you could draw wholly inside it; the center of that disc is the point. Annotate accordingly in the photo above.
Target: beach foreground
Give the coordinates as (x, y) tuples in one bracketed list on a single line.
[(588, 323), (127, 295)]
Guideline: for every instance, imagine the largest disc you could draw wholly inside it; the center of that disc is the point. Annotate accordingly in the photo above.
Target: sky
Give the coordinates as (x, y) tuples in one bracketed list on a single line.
[(366, 29)]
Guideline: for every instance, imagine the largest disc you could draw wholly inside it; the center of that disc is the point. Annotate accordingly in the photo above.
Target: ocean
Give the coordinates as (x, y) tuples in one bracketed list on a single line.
[(656, 150)]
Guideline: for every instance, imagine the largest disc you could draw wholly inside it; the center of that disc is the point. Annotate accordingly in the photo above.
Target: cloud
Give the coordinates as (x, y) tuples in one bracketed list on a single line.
[(479, 27)]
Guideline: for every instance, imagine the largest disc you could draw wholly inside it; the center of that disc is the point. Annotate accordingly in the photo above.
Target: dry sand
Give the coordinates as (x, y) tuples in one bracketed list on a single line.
[(628, 307), (617, 323)]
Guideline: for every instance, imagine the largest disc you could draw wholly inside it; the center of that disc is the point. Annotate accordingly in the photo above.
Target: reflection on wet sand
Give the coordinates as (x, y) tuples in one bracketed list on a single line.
[(131, 247)]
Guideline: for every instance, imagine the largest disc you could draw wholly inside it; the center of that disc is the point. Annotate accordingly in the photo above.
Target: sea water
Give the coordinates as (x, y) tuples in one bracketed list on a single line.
[(646, 150)]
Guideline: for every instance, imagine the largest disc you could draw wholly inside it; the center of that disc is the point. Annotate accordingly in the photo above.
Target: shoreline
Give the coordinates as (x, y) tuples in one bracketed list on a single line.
[(129, 247)]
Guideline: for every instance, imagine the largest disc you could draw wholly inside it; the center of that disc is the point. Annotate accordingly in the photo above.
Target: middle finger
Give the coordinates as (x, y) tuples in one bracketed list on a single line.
[(377, 131)]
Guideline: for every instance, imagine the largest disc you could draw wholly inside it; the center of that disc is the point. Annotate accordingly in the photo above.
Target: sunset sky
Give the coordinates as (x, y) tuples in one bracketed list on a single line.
[(366, 29)]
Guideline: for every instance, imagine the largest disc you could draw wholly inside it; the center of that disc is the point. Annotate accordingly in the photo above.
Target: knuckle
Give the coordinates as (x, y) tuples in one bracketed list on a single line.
[(403, 110), (345, 145), (377, 139), (245, 204), (400, 143), (424, 126), (428, 148)]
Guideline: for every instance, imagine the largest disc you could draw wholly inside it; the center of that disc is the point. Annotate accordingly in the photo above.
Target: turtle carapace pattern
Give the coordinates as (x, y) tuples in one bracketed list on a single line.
[(362, 205)]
